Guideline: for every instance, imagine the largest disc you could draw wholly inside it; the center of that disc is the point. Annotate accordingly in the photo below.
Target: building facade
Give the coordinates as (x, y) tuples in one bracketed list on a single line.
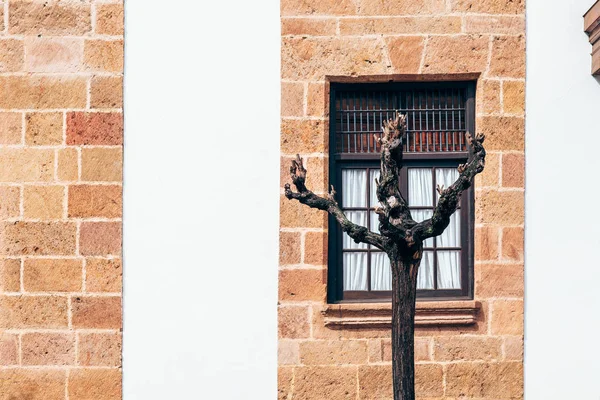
[(467, 345), (61, 135)]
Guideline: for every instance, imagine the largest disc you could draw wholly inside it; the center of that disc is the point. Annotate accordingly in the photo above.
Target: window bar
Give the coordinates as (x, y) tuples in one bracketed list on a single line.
[(341, 135), (452, 98), (368, 227), (435, 261), (413, 122), (354, 133), (407, 134), (427, 120), (360, 115), (460, 125), (368, 130), (380, 111)]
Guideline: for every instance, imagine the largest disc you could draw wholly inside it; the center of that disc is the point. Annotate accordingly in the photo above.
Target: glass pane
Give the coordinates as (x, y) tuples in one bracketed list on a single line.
[(355, 271), (354, 189), (373, 202), (360, 218), (374, 222), (420, 187), (381, 274), (451, 235), (421, 215), (425, 275), (446, 177), (448, 269)]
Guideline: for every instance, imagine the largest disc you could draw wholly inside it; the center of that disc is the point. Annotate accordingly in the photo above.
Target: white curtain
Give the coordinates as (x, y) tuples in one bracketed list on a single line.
[(355, 271), (354, 187), (445, 177), (420, 187), (360, 218), (425, 275), (373, 202), (422, 215), (448, 269), (381, 274)]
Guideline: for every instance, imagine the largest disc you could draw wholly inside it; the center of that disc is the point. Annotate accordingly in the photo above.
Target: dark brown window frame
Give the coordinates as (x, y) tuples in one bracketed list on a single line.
[(335, 292)]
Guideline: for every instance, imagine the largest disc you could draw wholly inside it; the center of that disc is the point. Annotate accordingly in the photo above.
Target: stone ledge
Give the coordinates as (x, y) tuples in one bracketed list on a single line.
[(379, 315), (591, 25)]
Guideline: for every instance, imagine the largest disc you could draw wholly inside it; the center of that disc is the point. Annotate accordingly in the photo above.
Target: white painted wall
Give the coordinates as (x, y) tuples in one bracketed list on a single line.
[(200, 247), (562, 233)]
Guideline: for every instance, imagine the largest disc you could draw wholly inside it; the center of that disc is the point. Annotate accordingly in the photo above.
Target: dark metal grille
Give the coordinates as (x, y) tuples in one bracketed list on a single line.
[(435, 119)]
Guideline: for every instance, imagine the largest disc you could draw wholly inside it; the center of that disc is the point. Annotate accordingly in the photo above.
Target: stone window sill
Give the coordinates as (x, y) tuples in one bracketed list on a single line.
[(379, 315)]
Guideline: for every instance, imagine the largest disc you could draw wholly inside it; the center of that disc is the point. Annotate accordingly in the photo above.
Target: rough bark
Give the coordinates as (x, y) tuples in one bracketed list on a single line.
[(401, 237)]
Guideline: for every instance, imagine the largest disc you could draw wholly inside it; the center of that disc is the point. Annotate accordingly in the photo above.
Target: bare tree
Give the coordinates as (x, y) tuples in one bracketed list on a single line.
[(400, 236)]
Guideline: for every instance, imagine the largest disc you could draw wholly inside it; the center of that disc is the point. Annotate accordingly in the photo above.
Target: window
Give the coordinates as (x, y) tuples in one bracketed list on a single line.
[(438, 116)]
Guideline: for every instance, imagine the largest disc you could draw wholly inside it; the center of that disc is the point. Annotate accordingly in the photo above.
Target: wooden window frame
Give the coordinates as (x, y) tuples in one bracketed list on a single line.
[(335, 292)]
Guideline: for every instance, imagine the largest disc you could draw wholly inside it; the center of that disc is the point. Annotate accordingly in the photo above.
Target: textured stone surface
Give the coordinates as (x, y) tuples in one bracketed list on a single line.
[(308, 26), (503, 280), (99, 349), (44, 128), (103, 55), (67, 169), (400, 25), (33, 384), (513, 348), (11, 127), (503, 133), (513, 170), (288, 352), (100, 238), (11, 55), (302, 284), (103, 275), (102, 164), (9, 349), (39, 92), (405, 53), (294, 214), (494, 207), (292, 99), (308, 135), (38, 238), (94, 384), (33, 312), (486, 243), (422, 346), (456, 54), (43, 202), (293, 322), (490, 177), (109, 19), (106, 92), (495, 24), (52, 275), (289, 248), (53, 54), (321, 383), (313, 58), (10, 199), (48, 349), (315, 248), (489, 6), (507, 317), (375, 381), (513, 97), (508, 57), (95, 201), (488, 98), (284, 382), (10, 275), (96, 312), (317, 100), (455, 348), (317, 7), (483, 380), (512, 244), (26, 164), (48, 19), (333, 352), (94, 128), (378, 7)]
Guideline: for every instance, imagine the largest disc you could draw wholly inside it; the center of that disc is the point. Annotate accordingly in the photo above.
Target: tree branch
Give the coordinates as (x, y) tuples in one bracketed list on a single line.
[(449, 197), (394, 216), (359, 234)]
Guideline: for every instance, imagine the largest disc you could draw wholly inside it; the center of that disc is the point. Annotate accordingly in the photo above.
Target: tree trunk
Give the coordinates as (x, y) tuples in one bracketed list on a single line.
[(404, 293)]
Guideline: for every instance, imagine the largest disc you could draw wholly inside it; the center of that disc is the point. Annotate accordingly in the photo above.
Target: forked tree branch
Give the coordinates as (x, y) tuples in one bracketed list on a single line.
[(449, 197), (358, 233), (394, 215)]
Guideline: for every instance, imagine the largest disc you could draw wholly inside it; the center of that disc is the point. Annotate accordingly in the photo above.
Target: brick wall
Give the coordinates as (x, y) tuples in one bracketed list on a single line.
[(375, 37), (61, 134)]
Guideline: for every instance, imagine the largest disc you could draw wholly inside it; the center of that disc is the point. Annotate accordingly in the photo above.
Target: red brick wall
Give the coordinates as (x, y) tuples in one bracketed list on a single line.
[(61, 135), (372, 37)]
